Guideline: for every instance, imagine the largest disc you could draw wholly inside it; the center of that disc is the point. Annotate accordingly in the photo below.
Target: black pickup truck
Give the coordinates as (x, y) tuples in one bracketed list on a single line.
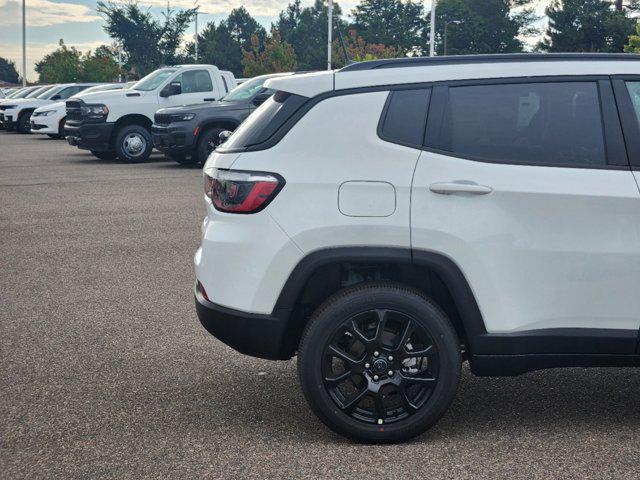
[(188, 134)]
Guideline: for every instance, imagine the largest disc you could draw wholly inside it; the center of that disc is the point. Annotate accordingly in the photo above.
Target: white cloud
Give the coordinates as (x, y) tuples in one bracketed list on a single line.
[(267, 8), (37, 50), (42, 13)]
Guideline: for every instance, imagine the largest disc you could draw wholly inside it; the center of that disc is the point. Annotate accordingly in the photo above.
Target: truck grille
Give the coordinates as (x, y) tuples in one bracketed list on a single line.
[(74, 110), (162, 119)]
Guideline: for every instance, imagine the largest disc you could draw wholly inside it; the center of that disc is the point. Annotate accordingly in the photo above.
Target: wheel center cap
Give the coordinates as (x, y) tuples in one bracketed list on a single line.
[(380, 365)]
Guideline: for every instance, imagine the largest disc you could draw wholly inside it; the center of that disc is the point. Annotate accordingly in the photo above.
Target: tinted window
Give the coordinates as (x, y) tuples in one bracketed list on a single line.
[(405, 116), (195, 81), (67, 92), (263, 123), (634, 93), (534, 123)]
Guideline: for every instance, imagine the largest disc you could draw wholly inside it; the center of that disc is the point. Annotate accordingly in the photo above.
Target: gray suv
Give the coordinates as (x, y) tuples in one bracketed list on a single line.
[(188, 134)]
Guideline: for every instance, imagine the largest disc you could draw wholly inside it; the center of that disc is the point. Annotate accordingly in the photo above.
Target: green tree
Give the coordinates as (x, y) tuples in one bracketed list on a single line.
[(63, 65), (222, 45), (489, 26), (306, 30), (101, 66), (393, 23), (359, 51), (148, 42), (243, 27), (276, 57), (8, 72), (586, 26)]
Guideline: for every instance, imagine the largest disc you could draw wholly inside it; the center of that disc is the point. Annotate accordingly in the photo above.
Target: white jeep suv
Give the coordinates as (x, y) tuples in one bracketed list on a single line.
[(390, 220)]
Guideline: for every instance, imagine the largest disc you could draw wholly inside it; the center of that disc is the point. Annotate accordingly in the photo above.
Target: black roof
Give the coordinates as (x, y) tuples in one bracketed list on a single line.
[(494, 58)]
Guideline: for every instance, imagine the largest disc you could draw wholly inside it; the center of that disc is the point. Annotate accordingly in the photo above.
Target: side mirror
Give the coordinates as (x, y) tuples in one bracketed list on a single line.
[(261, 98), (224, 136), (174, 88), (56, 97)]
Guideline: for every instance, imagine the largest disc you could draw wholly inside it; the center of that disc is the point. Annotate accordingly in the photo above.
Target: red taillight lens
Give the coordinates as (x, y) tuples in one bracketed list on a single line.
[(235, 191)]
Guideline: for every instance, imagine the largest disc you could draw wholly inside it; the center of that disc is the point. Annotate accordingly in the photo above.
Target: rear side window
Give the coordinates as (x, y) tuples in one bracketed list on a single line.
[(555, 123), (405, 115), (194, 81), (264, 122)]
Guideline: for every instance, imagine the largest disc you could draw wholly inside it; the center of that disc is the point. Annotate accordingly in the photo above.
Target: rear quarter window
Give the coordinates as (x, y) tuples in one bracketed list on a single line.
[(264, 122), (404, 118)]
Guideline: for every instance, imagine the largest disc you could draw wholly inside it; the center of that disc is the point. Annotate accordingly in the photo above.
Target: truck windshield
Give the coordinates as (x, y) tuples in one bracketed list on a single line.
[(245, 90), (154, 79)]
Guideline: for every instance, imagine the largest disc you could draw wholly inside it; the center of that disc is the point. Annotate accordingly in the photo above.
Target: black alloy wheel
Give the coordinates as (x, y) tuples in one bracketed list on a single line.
[(380, 366), (379, 363)]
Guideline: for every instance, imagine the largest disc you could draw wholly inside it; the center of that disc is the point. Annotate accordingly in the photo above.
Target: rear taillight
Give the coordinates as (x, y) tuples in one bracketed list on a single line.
[(236, 191)]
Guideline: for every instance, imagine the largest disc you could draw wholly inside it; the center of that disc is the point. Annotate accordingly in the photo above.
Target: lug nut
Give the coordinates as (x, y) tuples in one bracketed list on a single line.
[(390, 372), (375, 354), (366, 365), (376, 377), (390, 357)]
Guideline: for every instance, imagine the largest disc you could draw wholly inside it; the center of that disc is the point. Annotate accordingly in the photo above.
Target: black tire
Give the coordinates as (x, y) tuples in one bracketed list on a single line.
[(104, 155), (207, 143), (23, 125), (61, 127), (410, 396), (183, 159), (133, 144)]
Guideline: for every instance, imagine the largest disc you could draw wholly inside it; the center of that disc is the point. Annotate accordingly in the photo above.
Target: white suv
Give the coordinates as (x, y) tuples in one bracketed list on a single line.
[(392, 219)]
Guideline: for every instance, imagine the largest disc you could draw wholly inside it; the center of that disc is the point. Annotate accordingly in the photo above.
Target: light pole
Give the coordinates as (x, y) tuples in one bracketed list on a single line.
[(450, 22), (196, 39), (119, 63), (24, 43), (329, 32), (432, 30)]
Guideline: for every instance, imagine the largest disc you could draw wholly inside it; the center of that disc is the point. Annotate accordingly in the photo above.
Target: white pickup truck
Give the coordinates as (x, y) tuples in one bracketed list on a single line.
[(118, 123)]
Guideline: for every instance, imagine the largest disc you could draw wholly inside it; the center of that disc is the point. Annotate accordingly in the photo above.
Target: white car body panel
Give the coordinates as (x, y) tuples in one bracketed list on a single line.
[(57, 111), (308, 211), (306, 84), (548, 248)]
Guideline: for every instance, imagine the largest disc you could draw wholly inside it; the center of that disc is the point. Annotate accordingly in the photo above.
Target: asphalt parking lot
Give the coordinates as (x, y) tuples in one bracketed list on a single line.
[(105, 371)]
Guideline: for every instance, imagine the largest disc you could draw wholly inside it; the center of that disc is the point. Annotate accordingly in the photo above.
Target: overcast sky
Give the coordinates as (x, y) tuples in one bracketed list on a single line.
[(77, 22)]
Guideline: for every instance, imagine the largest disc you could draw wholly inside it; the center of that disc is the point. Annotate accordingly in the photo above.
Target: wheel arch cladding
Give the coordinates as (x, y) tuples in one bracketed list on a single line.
[(322, 273)]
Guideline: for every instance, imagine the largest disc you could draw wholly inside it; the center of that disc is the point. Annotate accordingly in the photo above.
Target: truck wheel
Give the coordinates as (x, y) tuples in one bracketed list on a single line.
[(104, 155), (207, 144), (24, 125), (379, 362), (133, 144)]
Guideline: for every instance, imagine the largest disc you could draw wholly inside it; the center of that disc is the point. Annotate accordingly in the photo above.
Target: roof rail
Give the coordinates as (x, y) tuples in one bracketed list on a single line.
[(498, 58)]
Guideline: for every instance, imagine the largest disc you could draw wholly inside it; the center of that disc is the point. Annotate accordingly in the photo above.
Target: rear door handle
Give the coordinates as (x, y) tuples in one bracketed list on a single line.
[(209, 99), (452, 188)]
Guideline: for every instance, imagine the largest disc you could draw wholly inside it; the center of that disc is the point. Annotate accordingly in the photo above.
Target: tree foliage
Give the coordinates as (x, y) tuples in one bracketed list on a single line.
[(100, 66), (394, 23), (586, 26), (489, 26), (306, 30), (222, 45), (277, 56), (149, 42), (359, 51), (8, 72), (64, 65)]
